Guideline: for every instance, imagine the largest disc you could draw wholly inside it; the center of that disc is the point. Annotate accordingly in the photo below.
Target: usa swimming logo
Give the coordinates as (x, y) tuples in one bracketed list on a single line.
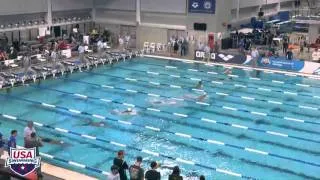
[(23, 161)]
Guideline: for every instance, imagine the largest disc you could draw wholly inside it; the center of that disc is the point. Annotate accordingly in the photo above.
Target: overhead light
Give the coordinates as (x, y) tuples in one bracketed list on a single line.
[(16, 25), (29, 23), (1, 26), (36, 22), (79, 18), (69, 19), (9, 25)]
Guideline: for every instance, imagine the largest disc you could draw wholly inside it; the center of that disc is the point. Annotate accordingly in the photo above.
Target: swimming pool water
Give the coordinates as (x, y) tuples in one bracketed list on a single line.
[(256, 124)]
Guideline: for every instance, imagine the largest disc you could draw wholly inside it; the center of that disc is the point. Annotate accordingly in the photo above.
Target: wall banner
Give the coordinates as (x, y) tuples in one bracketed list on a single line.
[(202, 6), (222, 58)]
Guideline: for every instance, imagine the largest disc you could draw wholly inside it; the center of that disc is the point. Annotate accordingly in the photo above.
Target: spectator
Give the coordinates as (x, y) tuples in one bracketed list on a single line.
[(121, 41), (318, 40), (3, 55), (183, 47), (289, 54), (136, 172), (301, 46), (153, 174), (13, 53), (122, 164), (127, 40), (81, 50), (100, 48), (16, 45), (175, 174), (255, 56), (1, 145), (207, 53), (12, 142), (202, 177), (53, 55), (285, 46), (28, 131), (216, 47), (34, 142), (200, 46), (114, 175), (175, 46)]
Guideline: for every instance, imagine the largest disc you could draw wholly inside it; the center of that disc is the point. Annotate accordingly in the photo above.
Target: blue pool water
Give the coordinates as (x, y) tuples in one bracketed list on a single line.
[(251, 124)]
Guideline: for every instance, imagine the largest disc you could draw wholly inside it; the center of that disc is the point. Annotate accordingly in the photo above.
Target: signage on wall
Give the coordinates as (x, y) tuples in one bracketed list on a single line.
[(202, 6), (222, 58)]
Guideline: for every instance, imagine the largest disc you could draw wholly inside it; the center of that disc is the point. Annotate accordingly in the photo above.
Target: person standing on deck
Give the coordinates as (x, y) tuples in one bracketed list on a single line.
[(122, 164), (255, 56), (28, 131), (12, 142)]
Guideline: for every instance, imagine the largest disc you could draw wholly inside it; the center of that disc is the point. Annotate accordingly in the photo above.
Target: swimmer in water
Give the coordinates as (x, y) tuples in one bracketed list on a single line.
[(194, 97), (199, 85), (202, 97), (228, 71), (35, 141), (128, 111), (163, 102), (90, 122), (54, 142)]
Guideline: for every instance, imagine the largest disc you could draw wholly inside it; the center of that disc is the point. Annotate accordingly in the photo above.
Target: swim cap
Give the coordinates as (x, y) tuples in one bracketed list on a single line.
[(129, 109)]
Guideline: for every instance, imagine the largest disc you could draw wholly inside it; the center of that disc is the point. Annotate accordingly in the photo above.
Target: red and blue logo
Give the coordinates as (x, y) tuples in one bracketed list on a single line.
[(23, 161)]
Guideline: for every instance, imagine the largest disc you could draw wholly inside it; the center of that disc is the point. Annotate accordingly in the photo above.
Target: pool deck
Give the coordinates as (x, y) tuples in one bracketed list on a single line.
[(51, 172)]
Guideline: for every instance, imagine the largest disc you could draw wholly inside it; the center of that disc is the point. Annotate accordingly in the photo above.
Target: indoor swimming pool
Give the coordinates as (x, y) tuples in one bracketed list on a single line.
[(248, 124)]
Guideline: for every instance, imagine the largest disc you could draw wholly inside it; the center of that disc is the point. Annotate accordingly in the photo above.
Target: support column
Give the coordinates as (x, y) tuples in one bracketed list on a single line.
[(238, 10), (49, 13), (138, 22), (278, 6), (93, 12), (138, 11)]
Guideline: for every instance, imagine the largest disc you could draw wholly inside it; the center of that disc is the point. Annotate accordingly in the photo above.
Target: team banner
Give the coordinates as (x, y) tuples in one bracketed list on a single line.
[(223, 58), (270, 62), (290, 65), (202, 6)]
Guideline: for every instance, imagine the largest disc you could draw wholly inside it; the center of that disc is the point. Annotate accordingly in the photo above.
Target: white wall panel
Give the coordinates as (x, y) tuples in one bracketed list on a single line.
[(170, 6), (128, 5), (64, 5), (159, 18), (115, 17), (8, 7)]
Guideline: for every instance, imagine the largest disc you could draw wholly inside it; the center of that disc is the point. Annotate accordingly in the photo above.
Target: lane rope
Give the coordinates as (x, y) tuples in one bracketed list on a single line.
[(237, 109), (209, 141), (238, 126), (218, 81), (235, 76)]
